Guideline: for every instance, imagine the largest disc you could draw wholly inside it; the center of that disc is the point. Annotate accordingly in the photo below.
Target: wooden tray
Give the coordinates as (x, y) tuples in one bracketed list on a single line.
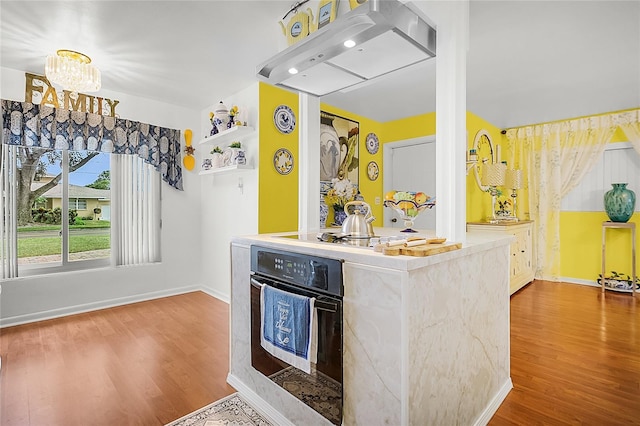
[(421, 251)]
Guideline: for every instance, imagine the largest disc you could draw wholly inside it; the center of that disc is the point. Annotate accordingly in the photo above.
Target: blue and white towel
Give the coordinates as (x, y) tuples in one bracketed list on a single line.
[(288, 327)]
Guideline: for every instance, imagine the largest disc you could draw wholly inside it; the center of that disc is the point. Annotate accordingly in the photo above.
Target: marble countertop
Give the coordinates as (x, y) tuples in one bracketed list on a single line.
[(308, 244)]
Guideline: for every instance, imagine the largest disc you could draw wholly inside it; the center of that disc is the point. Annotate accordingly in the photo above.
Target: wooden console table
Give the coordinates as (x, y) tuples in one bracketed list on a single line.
[(621, 225)]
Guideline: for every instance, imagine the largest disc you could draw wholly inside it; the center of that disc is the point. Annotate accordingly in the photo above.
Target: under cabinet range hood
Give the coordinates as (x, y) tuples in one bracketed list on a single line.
[(388, 35)]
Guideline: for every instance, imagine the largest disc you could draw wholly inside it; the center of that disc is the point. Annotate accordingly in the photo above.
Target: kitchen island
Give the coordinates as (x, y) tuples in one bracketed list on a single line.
[(426, 339)]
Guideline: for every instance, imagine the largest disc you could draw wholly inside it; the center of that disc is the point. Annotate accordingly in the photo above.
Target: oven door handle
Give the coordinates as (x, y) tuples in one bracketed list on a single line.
[(320, 304)]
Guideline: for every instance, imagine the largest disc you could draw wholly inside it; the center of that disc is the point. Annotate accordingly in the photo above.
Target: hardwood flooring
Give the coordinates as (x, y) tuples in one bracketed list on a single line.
[(575, 359), (146, 363)]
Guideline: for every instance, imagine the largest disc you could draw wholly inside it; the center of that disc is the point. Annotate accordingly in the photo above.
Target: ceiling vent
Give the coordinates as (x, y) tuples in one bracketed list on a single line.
[(386, 36)]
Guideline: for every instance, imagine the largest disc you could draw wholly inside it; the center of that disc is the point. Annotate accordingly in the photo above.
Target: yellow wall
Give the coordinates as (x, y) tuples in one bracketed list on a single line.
[(581, 245), (277, 194)]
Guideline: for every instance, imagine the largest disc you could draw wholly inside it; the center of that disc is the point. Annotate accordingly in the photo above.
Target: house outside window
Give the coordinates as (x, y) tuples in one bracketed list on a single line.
[(69, 186)]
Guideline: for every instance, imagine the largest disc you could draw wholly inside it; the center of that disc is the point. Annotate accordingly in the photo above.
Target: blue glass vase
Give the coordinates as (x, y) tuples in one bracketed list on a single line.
[(619, 202)]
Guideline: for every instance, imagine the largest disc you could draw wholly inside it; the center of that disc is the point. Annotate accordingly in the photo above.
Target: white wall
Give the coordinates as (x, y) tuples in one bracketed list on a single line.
[(33, 298), (228, 210)]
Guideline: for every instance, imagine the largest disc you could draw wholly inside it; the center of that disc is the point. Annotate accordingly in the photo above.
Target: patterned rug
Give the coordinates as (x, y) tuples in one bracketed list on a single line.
[(317, 390), (229, 411)]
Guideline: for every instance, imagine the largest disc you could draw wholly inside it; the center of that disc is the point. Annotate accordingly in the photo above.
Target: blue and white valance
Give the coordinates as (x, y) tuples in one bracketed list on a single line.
[(33, 125)]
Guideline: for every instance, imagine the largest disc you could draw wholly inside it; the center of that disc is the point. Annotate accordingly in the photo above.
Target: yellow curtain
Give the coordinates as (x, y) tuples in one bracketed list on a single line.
[(556, 156)]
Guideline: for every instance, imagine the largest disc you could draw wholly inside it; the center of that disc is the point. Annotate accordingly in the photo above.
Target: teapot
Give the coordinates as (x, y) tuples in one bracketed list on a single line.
[(358, 224)]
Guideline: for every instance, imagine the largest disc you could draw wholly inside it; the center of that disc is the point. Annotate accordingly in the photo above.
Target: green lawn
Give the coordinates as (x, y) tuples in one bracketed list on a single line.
[(44, 227), (29, 247)]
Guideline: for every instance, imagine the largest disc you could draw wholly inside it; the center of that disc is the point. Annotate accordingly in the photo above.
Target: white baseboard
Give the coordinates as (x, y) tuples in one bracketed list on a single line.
[(579, 281), (215, 293), (258, 403), (94, 306), (494, 404)]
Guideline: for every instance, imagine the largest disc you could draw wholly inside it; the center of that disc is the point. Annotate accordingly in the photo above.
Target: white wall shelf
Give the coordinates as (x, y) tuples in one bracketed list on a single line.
[(226, 169), (227, 136)]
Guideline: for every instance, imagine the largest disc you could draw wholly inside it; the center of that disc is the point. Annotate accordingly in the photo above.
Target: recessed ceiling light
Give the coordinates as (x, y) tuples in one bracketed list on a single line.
[(293, 71), (349, 43)]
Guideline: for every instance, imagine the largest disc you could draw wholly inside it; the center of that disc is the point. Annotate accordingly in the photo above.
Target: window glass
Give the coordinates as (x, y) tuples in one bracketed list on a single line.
[(56, 185), (39, 207), (89, 205)]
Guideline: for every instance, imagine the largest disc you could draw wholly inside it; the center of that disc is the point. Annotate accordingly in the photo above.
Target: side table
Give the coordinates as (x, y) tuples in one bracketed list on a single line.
[(622, 225)]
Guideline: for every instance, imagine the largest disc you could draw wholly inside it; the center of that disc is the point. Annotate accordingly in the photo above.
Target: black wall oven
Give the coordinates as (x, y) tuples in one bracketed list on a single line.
[(309, 276)]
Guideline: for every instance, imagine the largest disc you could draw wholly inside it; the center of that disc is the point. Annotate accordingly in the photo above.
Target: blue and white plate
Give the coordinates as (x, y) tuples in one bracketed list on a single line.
[(284, 119), (372, 143)]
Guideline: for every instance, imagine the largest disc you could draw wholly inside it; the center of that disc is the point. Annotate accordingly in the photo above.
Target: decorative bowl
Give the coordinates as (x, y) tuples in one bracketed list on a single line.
[(408, 210)]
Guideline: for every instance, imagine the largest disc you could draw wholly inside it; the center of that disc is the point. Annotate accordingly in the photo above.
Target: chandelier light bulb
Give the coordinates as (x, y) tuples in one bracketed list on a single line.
[(73, 71)]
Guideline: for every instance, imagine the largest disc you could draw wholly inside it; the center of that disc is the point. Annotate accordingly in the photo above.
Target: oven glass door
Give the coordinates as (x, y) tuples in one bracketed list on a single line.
[(328, 369)]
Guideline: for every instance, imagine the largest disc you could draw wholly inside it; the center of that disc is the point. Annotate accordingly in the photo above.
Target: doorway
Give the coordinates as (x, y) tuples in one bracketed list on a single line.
[(410, 165)]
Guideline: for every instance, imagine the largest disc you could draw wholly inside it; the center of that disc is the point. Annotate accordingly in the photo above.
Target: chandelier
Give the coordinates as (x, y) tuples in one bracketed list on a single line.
[(73, 71)]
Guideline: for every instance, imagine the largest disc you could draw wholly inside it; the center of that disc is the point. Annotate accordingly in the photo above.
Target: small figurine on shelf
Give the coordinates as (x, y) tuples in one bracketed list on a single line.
[(214, 129), (221, 118), (237, 153), (233, 112), (217, 160)]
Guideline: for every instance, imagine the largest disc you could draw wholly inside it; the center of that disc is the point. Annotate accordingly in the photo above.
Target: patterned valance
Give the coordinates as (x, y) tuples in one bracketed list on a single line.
[(33, 125)]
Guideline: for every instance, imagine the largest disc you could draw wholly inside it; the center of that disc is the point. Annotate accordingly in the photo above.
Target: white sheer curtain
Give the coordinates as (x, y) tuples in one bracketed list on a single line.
[(135, 231), (630, 125), (556, 157), (8, 221)]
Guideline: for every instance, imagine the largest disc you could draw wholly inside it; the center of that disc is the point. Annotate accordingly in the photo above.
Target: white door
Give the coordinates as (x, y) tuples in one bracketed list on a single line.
[(411, 166)]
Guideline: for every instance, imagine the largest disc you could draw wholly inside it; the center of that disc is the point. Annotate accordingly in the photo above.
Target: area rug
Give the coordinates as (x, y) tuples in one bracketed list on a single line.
[(317, 390), (229, 411)]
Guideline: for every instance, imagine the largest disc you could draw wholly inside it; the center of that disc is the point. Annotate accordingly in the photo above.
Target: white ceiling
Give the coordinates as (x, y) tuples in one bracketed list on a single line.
[(528, 62)]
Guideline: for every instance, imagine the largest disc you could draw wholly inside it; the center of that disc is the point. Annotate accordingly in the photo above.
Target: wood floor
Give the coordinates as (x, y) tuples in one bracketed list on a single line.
[(141, 364), (575, 359)]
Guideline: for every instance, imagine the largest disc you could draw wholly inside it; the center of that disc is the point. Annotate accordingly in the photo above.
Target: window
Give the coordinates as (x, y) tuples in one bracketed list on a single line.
[(77, 204), (58, 209)]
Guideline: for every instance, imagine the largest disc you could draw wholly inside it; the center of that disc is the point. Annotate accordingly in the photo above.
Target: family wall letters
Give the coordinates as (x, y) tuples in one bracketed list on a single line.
[(39, 90)]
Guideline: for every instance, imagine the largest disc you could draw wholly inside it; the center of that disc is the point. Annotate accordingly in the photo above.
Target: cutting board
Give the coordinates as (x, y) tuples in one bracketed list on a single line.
[(421, 251)]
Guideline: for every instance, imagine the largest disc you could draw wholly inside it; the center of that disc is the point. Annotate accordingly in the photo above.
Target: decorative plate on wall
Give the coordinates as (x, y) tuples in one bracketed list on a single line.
[(284, 119), (283, 161), (372, 170), (372, 143)]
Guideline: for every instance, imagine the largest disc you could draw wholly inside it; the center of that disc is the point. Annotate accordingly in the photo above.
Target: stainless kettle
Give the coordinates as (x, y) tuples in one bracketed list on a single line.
[(358, 224)]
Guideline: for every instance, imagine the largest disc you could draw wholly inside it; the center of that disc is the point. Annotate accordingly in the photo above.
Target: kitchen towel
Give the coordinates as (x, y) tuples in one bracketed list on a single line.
[(288, 327)]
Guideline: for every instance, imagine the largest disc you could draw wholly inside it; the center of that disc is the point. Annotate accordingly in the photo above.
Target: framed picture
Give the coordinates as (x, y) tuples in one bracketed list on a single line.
[(339, 144), (326, 12)]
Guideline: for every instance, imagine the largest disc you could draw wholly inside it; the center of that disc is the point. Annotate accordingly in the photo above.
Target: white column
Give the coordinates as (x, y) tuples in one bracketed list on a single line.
[(308, 163), (451, 105)]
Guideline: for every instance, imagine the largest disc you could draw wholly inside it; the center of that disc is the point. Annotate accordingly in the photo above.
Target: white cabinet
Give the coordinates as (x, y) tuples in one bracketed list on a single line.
[(521, 264), (222, 139)]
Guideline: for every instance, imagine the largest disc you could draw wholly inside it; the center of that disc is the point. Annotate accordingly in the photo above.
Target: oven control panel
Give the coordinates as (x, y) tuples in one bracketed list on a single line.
[(300, 269)]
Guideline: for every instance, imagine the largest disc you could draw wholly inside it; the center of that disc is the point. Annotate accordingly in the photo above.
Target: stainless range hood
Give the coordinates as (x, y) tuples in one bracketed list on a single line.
[(388, 35)]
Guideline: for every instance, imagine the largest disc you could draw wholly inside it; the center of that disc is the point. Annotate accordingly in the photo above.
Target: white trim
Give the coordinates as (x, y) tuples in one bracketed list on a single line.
[(570, 280), (618, 145), (94, 306), (257, 402), (494, 404), (217, 294)]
